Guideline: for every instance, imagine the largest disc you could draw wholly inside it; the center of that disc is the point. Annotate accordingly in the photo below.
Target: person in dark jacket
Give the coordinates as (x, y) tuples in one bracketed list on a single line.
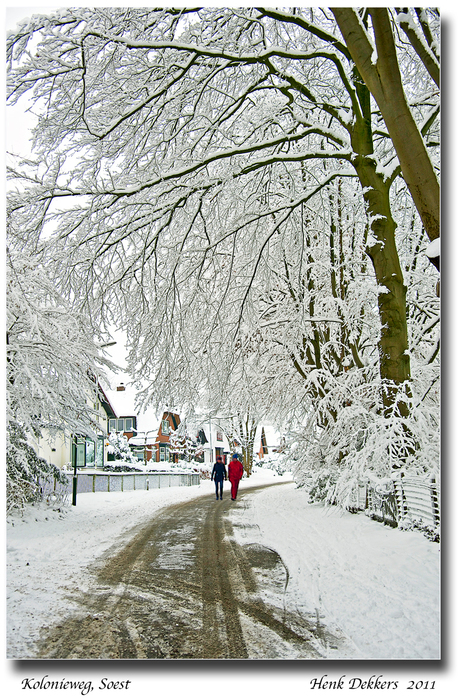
[(235, 473), (219, 474)]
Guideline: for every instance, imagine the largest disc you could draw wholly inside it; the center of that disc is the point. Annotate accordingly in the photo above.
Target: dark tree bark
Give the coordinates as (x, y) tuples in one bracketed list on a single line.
[(383, 79)]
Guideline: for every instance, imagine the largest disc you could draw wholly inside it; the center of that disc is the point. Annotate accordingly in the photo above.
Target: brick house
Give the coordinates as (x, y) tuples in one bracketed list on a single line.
[(148, 440), (162, 451), (270, 442)]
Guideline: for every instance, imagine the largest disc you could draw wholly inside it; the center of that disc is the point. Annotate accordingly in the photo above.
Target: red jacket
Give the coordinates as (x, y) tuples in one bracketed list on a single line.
[(235, 470)]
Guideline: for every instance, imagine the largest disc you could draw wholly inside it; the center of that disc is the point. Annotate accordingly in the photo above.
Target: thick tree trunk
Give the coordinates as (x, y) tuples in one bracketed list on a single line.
[(383, 78), (393, 344), (248, 445)]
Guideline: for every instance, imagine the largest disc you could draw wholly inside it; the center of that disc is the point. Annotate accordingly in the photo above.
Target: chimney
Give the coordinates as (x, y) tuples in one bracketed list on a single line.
[(120, 387)]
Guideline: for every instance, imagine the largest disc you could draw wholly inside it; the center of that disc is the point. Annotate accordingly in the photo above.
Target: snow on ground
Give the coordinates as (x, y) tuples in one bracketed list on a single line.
[(380, 585), (48, 551)]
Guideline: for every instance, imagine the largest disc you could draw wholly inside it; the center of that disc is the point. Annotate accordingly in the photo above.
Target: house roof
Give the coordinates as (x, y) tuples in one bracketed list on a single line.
[(272, 436), (106, 404), (124, 405)]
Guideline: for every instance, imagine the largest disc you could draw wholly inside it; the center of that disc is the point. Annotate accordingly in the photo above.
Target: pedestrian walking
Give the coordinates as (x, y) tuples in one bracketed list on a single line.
[(235, 473), (219, 474)]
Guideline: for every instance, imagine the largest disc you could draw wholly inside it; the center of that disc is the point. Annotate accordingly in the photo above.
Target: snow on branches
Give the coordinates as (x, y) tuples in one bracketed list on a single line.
[(225, 186)]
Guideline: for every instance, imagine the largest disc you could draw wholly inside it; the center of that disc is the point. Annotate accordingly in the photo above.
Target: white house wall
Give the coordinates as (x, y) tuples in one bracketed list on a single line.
[(209, 448), (57, 450)]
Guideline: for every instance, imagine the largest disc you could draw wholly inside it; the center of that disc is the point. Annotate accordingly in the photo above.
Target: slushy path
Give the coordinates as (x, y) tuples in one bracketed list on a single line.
[(183, 588)]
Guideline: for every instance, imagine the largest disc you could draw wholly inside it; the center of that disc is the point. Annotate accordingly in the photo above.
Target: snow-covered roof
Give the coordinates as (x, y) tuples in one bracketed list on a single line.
[(141, 440), (272, 436), (123, 401), (124, 405)]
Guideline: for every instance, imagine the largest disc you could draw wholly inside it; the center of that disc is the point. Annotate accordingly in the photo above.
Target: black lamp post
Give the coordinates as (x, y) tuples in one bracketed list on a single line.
[(74, 479)]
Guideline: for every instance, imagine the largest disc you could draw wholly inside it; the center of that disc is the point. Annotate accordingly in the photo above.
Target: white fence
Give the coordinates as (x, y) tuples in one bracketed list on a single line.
[(127, 482), (404, 497), (51, 490)]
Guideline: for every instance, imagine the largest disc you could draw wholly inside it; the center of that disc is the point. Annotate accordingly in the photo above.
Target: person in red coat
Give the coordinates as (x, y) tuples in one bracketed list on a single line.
[(235, 473)]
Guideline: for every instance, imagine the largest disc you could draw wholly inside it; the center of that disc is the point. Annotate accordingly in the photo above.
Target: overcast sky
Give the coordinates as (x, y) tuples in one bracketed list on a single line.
[(16, 14)]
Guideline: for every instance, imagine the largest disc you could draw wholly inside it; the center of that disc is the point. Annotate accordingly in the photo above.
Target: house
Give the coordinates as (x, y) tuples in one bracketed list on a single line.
[(82, 450), (263, 449), (213, 442), (148, 437), (269, 442), (163, 452), (124, 423), (155, 444), (124, 420)]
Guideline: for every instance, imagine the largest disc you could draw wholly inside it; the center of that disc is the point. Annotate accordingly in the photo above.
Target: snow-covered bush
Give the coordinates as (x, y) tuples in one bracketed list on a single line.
[(433, 533), (26, 471), (274, 462), (119, 448), (55, 493), (121, 466), (204, 470), (331, 462)]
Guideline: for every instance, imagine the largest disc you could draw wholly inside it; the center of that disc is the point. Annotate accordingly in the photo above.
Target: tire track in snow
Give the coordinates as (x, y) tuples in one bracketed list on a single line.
[(184, 588)]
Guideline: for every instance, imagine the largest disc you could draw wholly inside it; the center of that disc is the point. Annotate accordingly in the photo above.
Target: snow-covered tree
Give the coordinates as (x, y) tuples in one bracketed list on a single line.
[(182, 443), (320, 318), (179, 153), (119, 448), (52, 364), (52, 356)]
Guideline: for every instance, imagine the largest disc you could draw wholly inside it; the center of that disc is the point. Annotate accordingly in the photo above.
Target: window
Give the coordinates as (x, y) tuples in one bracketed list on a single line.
[(90, 453), (164, 452), (164, 426), (80, 452), (100, 452), (219, 436), (84, 452), (121, 425)]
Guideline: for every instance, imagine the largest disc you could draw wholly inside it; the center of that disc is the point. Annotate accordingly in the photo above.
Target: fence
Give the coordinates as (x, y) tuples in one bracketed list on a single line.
[(127, 482), (119, 482), (411, 498)]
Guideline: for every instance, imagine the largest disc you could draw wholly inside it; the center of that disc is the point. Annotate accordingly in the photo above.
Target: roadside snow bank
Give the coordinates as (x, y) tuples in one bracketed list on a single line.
[(380, 585)]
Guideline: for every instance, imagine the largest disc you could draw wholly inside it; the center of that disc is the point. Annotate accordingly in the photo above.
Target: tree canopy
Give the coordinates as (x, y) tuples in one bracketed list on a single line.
[(241, 187)]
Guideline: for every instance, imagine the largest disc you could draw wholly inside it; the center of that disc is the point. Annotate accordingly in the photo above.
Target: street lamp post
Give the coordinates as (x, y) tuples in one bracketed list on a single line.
[(74, 479)]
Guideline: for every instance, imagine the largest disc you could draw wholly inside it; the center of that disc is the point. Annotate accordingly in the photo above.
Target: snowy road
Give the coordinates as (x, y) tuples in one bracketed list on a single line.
[(184, 588)]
